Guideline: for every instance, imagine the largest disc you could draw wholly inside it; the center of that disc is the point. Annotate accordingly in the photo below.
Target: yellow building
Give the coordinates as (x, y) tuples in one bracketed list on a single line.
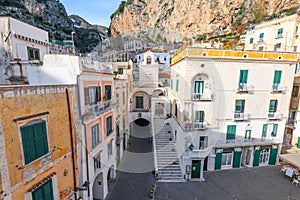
[(37, 143)]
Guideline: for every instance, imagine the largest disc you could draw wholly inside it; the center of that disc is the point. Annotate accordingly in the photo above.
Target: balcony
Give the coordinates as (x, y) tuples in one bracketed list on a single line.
[(241, 141), (206, 96), (278, 88), (274, 116), (195, 126), (98, 109), (245, 88), (292, 122), (241, 116)]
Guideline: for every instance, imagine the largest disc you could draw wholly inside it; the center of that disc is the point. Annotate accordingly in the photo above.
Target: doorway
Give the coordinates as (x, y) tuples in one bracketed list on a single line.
[(196, 167)]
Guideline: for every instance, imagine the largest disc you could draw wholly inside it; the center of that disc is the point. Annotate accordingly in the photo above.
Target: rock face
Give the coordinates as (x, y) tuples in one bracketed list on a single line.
[(176, 20), (50, 15)]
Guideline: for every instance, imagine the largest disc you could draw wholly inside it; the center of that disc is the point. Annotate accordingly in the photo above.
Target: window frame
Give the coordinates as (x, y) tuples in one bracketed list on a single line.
[(109, 127), (251, 40), (231, 132), (242, 106), (108, 93), (42, 188), (35, 53), (273, 108), (98, 140), (295, 91), (280, 32), (139, 105), (261, 36), (97, 162)]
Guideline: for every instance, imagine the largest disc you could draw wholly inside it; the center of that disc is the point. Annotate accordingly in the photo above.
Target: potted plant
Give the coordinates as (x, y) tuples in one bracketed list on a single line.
[(152, 190)]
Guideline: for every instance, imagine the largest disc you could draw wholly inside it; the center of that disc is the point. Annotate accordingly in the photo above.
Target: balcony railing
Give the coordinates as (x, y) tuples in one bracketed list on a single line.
[(206, 96), (240, 141), (292, 122), (274, 115), (194, 126), (98, 109), (278, 88), (245, 87), (241, 116)]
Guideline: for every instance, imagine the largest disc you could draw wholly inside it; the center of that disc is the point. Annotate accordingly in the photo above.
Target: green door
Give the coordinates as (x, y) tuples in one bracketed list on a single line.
[(218, 161), (273, 156), (256, 158), (196, 167), (237, 159)]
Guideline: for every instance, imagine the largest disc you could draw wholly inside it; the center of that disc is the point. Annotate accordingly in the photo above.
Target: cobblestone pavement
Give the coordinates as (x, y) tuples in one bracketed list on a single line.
[(134, 177), (261, 183)]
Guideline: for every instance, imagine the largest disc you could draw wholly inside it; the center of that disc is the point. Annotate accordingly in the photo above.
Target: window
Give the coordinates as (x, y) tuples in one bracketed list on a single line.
[(248, 134), (279, 32), (171, 84), (231, 131), (264, 156), (277, 46), (92, 95), (97, 162), (227, 157), (243, 79), (108, 92), (269, 130), (44, 192), (139, 102), (109, 149), (277, 77), (95, 135), (273, 106), (203, 142), (199, 87), (33, 53), (261, 37), (296, 69), (296, 30), (199, 116), (108, 125), (261, 48), (295, 91), (120, 70), (35, 142), (251, 40), (239, 106), (177, 85)]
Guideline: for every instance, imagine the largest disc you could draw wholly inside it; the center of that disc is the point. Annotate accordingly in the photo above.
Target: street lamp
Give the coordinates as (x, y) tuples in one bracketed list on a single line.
[(72, 34)]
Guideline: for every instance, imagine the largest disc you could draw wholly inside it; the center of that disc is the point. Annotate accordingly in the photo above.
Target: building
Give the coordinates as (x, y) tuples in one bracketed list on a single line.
[(98, 131), (224, 113), (133, 45), (276, 35), (60, 47), (21, 45), (38, 143)]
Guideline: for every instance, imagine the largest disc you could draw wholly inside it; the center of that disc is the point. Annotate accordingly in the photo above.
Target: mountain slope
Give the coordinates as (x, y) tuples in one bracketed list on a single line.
[(176, 20)]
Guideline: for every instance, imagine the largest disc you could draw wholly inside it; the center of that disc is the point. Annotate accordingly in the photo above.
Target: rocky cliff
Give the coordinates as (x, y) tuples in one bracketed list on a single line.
[(176, 20), (51, 16)]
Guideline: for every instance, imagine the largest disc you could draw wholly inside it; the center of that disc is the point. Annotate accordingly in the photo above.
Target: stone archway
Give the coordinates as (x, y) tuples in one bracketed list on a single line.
[(98, 187)]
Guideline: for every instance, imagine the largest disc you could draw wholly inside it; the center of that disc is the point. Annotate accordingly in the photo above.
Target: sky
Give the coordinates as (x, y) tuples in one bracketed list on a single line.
[(93, 11)]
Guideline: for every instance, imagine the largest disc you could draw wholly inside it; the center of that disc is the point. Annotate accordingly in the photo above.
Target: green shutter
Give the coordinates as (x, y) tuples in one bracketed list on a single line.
[(41, 141), (86, 96), (108, 126), (251, 40), (264, 131), (237, 159), (273, 156), (243, 76), (171, 84), (98, 93), (277, 77), (108, 92), (296, 69), (199, 116), (298, 145), (273, 106), (177, 85), (239, 106), (274, 132), (44, 192), (231, 131), (218, 161), (256, 158)]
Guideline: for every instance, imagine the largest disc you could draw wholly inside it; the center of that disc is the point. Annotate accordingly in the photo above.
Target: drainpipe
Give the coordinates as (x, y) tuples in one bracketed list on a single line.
[(72, 143), (85, 144)]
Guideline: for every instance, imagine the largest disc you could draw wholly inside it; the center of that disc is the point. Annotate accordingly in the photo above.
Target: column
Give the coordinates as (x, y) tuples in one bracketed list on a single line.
[(201, 170)]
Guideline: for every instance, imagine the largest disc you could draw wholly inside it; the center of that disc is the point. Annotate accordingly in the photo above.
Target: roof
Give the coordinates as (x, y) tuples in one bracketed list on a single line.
[(293, 159), (164, 75)]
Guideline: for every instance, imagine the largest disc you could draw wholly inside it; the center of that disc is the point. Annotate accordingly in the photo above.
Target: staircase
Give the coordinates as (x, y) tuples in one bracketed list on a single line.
[(167, 159)]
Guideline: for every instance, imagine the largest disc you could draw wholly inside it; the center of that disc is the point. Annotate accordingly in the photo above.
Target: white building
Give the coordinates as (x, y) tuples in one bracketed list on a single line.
[(275, 35), (229, 108), (21, 45)]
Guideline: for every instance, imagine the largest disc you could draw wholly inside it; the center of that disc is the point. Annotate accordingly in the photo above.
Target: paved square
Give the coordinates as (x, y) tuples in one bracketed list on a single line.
[(258, 183)]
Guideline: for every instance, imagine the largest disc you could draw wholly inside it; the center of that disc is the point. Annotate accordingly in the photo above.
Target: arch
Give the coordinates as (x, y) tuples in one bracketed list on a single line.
[(142, 122), (140, 101), (111, 175), (98, 187), (157, 93), (201, 86)]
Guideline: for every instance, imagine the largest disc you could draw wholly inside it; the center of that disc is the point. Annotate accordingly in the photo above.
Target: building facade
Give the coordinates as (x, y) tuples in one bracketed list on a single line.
[(38, 143), (96, 97), (276, 35), (21, 45), (225, 114)]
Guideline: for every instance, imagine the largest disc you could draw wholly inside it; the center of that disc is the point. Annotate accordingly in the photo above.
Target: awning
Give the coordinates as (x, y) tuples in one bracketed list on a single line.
[(293, 159)]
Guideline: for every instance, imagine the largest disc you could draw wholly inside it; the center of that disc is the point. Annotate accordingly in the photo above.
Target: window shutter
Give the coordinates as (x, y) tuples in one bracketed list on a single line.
[(237, 159), (264, 131), (273, 106), (177, 85), (243, 76), (108, 92), (273, 156), (274, 132), (86, 96), (28, 141), (256, 158), (48, 191), (218, 161), (277, 77), (41, 141), (98, 93), (231, 130)]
